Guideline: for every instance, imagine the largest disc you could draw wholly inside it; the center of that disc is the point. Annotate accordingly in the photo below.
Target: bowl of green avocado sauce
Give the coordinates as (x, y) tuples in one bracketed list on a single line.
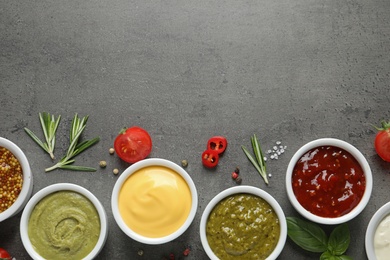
[(63, 221), (243, 222)]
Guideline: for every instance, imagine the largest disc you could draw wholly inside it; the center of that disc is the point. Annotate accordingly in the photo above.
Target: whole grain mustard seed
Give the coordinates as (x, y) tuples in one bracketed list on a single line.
[(111, 150), (115, 171), (11, 179)]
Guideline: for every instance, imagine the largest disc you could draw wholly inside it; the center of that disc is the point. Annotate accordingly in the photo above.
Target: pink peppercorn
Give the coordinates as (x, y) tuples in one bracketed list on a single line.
[(186, 252)]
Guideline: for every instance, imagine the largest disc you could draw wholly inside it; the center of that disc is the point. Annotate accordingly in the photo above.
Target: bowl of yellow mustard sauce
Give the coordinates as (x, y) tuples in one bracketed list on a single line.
[(63, 221), (243, 222), (16, 181), (154, 201)]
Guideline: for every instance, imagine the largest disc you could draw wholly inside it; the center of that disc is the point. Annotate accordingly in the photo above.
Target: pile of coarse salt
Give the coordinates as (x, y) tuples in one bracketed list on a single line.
[(274, 153)]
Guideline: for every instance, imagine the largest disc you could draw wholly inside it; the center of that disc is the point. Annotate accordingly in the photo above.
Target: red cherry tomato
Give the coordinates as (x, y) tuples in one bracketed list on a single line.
[(133, 144), (4, 254), (210, 158), (217, 143), (382, 141)]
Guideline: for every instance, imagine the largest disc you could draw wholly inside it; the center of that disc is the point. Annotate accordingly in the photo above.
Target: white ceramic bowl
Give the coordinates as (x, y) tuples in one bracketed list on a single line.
[(134, 168), (371, 228), (250, 190), (356, 154), (52, 189), (25, 193)]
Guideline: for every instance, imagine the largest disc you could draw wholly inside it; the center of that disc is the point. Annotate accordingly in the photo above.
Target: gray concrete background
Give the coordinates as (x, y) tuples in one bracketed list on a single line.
[(291, 71)]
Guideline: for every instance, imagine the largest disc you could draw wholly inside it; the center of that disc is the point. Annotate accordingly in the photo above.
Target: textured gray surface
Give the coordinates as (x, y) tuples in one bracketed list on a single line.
[(291, 71)]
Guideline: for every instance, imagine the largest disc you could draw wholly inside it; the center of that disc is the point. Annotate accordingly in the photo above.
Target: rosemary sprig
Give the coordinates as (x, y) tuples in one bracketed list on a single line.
[(257, 161), (49, 127), (75, 148)]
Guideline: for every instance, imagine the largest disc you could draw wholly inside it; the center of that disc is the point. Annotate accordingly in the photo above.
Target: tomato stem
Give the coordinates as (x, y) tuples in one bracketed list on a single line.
[(385, 126)]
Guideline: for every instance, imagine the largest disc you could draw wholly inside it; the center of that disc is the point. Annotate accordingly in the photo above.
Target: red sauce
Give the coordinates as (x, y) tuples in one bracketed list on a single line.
[(328, 181)]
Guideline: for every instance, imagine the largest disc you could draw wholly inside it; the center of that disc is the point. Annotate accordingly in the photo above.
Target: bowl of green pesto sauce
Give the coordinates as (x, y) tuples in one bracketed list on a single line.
[(243, 222), (63, 221)]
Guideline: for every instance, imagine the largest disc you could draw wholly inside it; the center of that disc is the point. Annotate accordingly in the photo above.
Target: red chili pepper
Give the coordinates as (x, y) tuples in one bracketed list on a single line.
[(217, 143), (4, 254), (210, 158)]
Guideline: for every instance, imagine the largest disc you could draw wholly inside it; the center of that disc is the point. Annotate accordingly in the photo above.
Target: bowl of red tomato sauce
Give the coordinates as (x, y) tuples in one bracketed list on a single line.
[(329, 181)]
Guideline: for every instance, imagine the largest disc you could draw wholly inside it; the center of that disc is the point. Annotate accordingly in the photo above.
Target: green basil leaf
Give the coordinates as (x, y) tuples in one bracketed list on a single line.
[(328, 256), (344, 257), (307, 235), (339, 240)]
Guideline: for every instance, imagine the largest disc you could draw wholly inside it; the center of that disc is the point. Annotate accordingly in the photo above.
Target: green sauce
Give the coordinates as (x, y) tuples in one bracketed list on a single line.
[(64, 225), (243, 226)]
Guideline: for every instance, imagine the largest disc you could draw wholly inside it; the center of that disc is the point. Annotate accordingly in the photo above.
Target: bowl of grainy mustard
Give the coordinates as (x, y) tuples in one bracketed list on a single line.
[(16, 181), (243, 222)]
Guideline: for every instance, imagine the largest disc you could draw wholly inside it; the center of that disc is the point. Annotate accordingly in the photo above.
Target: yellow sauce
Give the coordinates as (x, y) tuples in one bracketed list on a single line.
[(154, 201)]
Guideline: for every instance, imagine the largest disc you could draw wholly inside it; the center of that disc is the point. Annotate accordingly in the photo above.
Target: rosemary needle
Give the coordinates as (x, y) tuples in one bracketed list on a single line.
[(75, 147), (49, 127), (257, 161)]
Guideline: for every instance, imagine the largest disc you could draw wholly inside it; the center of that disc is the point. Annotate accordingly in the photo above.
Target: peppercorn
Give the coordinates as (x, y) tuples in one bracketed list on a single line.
[(238, 180), (186, 252), (111, 151), (102, 164), (140, 252), (115, 171), (184, 163)]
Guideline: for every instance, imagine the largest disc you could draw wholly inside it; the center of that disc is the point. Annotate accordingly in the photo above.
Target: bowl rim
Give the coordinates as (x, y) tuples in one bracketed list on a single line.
[(356, 154), (132, 169), (63, 187), (27, 185), (249, 190), (375, 220)]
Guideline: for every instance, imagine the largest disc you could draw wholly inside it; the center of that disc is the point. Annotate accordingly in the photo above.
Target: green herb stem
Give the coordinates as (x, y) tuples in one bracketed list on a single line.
[(257, 161), (49, 127), (75, 147)]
